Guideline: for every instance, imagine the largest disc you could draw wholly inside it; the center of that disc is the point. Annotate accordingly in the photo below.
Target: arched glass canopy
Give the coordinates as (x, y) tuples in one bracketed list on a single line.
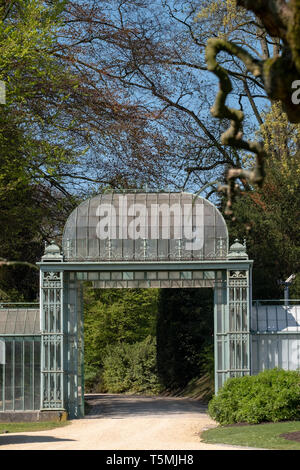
[(145, 227)]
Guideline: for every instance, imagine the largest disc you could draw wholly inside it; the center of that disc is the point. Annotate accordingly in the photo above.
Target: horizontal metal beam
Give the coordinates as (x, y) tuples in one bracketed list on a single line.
[(146, 266), (273, 333), (19, 335)]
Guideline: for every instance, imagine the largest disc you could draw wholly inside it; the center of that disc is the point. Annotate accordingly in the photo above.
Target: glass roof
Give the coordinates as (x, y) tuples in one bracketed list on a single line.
[(19, 321), (145, 227)]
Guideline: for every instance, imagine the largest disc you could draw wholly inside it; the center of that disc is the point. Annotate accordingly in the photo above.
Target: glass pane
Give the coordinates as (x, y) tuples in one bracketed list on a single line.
[(152, 226), (19, 394), (9, 392), (28, 375), (162, 275), (127, 275), (2, 367), (185, 275), (37, 373)]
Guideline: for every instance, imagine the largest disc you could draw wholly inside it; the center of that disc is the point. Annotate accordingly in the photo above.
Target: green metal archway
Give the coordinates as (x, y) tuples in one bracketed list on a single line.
[(176, 240)]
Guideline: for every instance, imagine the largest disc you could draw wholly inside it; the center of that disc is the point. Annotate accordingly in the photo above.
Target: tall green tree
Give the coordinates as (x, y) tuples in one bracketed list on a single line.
[(272, 214), (34, 148)]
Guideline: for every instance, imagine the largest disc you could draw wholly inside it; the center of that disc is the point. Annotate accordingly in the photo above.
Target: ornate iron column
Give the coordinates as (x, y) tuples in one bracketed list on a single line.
[(239, 323), (52, 337), (232, 319), (239, 305), (73, 349), (220, 329)]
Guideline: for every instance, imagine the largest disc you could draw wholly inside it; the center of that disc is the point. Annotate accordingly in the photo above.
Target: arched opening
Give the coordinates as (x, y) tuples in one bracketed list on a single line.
[(133, 241)]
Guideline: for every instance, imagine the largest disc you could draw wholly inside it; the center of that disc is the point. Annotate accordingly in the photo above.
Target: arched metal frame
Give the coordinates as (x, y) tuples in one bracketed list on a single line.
[(61, 306), (163, 223)]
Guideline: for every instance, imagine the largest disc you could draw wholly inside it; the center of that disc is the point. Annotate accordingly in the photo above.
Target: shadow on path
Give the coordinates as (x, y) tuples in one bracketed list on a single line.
[(130, 406), (25, 439)]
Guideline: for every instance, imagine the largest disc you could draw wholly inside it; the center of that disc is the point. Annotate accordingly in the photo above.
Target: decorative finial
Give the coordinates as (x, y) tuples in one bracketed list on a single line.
[(52, 252), (237, 250)]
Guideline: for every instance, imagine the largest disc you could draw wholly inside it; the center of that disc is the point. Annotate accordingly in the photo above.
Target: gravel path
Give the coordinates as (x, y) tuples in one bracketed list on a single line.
[(120, 422)]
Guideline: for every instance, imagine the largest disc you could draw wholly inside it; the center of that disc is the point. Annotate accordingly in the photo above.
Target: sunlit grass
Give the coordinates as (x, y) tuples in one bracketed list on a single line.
[(30, 427), (264, 436)]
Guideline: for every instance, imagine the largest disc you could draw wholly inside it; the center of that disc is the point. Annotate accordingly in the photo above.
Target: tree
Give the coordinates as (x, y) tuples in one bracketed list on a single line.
[(150, 56), (31, 154), (184, 335), (34, 94), (272, 213), (112, 317), (278, 74)]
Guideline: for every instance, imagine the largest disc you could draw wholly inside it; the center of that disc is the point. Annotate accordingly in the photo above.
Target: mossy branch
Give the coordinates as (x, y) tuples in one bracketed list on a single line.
[(282, 20), (234, 135), (5, 262)]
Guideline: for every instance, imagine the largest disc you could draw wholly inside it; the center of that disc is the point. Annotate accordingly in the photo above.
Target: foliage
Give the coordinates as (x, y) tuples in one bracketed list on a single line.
[(116, 319), (32, 151), (184, 335), (271, 214), (31, 145), (131, 367), (277, 74), (272, 395), (114, 316), (150, 89)]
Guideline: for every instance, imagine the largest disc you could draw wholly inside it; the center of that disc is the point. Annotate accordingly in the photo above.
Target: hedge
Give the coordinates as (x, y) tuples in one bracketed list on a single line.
[(270, 396)]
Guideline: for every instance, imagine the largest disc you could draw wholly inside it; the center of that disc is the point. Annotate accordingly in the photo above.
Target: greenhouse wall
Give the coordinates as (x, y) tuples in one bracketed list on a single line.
[(275, 342), (20, 359), (275, 331)]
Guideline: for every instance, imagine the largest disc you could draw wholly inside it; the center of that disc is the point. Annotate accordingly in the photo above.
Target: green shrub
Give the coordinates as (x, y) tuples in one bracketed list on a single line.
[(272, 395), (131, 367)]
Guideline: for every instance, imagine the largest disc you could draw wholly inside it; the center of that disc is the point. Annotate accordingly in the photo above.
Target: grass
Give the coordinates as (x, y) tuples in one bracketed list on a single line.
[(201, 388), (30, 427), (264, 436)]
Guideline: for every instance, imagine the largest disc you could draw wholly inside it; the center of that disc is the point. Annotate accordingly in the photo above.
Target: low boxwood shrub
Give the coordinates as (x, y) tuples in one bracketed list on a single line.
[(272, 395)]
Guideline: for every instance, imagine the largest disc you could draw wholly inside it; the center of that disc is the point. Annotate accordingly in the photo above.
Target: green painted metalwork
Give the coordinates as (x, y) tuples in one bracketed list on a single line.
[(20, 374), (44, 369), (52, 341), (275, 335), (144, 262), (73, 347), (239, 322), (161, 222), (20, 370), (232, 313)]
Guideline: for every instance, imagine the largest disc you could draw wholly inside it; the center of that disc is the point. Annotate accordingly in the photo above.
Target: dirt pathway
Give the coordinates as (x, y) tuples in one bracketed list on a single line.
[(118, 422)]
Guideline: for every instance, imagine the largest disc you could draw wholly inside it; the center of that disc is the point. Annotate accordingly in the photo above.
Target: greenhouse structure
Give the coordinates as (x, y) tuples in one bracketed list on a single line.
[(135, 240)]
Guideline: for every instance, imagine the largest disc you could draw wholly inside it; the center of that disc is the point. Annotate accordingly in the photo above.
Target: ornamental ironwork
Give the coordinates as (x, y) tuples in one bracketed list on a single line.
[(145, 226)]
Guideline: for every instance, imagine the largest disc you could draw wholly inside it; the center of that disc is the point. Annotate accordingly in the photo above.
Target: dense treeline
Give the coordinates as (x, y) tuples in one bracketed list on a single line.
[(147, 340), (115, 94), (115, 317), (269, 217)]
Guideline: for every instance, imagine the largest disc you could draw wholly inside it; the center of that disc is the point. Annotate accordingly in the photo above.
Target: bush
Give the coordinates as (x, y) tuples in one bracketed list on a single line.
[(93, 382), (272, 395), (131, 367)]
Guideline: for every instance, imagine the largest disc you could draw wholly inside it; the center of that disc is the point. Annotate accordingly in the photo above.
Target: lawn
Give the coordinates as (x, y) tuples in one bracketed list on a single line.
[(30, 427), (259, 435)]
